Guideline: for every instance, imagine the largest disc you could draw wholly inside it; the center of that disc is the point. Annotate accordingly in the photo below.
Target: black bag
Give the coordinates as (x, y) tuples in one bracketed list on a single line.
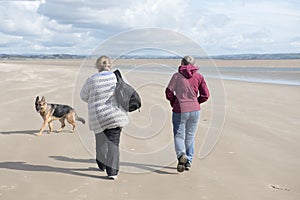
[(127, 97)]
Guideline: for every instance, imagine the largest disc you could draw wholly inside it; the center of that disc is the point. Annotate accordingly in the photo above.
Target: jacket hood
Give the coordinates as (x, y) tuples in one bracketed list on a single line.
[(187, 70)]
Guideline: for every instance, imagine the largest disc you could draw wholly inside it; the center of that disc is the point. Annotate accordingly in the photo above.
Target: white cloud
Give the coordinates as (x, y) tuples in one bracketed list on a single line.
[(9, 40), (221, 27), (125, 14), (20, 18), (247, 26)]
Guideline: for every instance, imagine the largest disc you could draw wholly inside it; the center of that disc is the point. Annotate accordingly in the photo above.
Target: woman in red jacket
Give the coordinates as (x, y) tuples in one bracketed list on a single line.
[(186, 90)]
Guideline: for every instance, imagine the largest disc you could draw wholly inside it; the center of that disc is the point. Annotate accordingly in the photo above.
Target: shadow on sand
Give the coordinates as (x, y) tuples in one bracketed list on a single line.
[(29, 132), (23, 166), (147, 167), (34, 132)]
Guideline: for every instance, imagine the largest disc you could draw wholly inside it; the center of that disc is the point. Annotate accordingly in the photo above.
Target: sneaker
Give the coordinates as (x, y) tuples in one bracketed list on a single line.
[(113, 177), (181, 163), (187, 166)]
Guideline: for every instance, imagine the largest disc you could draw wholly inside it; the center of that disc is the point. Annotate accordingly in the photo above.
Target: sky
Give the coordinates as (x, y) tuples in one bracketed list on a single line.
[(220, 27)]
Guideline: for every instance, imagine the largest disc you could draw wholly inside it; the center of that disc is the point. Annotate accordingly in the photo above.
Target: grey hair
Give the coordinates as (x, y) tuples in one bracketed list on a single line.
[(187, 60)]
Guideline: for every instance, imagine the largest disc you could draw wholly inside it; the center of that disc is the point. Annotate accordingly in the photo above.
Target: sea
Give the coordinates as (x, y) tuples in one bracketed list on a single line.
[(268, 75)]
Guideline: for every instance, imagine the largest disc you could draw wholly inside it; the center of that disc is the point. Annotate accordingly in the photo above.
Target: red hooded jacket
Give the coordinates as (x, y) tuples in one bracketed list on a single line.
[(187, 89)]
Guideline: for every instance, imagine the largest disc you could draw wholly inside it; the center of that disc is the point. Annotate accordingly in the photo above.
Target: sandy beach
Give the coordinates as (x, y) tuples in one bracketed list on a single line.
[(257, 155)]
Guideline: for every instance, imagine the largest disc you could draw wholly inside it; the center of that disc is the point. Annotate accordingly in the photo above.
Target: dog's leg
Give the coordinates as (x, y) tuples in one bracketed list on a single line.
[(50, 127), (62, 121), (42, 128), (71, 120)]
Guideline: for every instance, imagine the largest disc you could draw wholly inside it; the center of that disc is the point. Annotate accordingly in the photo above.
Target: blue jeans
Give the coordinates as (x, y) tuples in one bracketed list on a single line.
[(184, 128)]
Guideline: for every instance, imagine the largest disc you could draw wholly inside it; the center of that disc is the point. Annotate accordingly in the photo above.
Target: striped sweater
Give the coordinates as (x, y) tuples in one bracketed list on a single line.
[(98, 92)]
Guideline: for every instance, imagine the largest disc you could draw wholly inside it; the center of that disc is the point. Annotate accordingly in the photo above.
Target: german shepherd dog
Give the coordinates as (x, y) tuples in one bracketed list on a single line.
[(51, 112)]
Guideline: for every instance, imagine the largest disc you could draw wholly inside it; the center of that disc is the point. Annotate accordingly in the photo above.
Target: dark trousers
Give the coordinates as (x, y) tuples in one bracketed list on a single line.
[(107, 150)]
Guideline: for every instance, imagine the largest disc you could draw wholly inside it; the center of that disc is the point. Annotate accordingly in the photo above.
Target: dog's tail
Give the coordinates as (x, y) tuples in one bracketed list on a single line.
[(79, 118)]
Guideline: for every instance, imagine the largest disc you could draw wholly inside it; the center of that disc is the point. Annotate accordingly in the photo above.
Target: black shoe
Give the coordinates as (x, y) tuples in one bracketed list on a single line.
[(187, 166), (181, 163)]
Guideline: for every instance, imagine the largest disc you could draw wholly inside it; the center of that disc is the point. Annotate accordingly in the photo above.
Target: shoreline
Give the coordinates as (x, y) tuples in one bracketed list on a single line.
[(270, 72), (201, 62)]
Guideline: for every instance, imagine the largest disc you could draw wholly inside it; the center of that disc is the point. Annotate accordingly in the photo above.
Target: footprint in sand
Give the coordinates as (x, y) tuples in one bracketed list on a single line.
[(5, 187), (278, 187)]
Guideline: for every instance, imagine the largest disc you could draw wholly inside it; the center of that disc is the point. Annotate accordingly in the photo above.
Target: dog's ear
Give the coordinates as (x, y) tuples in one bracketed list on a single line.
[(43, 99), (37, 99)]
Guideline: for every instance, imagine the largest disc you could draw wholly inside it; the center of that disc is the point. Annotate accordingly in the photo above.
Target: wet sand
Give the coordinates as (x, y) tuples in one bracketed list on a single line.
[(256, 156)]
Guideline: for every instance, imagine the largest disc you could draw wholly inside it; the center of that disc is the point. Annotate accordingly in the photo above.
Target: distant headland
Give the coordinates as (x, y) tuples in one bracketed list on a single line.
[(273, 56)]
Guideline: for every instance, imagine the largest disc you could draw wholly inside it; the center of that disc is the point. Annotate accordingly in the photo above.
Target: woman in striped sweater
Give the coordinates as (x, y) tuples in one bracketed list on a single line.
[(106, 119)]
